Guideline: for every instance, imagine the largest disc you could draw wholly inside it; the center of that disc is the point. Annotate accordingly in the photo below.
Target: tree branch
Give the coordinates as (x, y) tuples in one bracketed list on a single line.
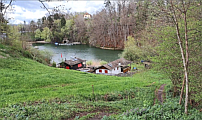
[(7, 7), (44, 6)]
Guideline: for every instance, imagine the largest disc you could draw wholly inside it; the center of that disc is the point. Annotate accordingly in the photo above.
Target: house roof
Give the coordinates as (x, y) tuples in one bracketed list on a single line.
[(115, 63), (87, 14), (74, 61)]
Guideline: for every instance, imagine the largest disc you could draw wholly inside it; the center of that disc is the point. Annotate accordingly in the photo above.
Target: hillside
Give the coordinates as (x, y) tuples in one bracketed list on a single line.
[(23, 79), (32, 90)]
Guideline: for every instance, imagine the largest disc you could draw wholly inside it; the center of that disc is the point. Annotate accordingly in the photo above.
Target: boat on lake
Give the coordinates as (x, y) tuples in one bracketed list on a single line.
[(65, 44)]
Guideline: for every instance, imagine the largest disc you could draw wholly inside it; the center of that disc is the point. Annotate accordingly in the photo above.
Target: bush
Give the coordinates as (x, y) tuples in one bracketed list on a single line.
[(103, 62), (134, 52), (169, 110), (89, 62), (54, 64)]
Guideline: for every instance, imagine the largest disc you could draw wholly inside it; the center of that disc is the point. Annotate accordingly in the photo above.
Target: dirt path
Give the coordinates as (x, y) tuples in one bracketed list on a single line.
[(160, 93), (100, 113)]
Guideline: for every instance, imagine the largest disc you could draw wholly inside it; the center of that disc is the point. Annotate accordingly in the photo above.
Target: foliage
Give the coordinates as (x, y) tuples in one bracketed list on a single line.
[(38, 34), (63, 22), (102, 62), (169, 56), (89, 62), (135, 52), (67, 29), (168, 110), (54, 64), (42, 56), (46, 34)]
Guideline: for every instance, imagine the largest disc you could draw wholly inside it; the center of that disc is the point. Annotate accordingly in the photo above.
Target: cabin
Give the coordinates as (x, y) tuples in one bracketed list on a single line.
[(87, 16), (75, 63), (115, 67)]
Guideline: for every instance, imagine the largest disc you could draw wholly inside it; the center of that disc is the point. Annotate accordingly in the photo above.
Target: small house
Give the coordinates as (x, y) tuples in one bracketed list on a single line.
[(75, 63), (115, 67), (87, 16)]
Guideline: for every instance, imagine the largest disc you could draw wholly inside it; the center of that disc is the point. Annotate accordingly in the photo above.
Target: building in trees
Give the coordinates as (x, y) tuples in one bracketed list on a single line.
[(87, 16)]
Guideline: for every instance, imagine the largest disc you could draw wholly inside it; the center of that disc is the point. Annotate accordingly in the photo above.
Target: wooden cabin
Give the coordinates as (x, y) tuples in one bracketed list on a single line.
[(115, 67), (74, 63)]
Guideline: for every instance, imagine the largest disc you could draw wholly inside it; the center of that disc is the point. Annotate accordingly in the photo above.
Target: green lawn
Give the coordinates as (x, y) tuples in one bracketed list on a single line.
[(32, 90), (26, 80)]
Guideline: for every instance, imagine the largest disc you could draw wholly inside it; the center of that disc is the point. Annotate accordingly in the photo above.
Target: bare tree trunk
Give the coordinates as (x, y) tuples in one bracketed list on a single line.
[(187, 62), (182, 53), (182, 90)]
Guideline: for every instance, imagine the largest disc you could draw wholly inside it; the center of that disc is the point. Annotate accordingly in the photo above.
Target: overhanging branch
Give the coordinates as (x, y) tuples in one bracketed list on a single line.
[(7, 6), (44, 6)]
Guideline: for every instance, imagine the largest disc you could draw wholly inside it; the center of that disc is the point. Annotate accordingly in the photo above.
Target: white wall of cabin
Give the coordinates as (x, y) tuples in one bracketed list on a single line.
[(113, 71)]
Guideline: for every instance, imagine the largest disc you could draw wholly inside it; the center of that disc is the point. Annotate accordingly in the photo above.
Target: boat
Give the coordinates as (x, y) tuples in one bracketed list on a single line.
[(65, 44), (56, 43)]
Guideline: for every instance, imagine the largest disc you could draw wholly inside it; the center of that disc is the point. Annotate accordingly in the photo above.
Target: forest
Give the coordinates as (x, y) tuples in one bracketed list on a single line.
[(167, 33), (109, 27)]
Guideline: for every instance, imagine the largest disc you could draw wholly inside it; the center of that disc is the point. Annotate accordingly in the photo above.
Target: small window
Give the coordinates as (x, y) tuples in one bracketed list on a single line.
[(100, 71), (106, 71), (117, 68)]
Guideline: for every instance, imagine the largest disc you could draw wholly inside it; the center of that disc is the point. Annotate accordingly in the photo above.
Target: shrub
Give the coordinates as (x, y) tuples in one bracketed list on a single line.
[(103, 62), (54, 64), (89, 62), (134, 52)]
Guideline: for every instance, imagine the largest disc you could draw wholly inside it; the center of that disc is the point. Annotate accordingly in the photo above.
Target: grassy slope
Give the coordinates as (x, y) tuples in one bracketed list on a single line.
[(25, 80)]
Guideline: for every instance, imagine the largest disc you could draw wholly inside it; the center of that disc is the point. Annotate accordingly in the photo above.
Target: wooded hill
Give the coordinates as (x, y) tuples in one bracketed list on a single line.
[(109, 27)]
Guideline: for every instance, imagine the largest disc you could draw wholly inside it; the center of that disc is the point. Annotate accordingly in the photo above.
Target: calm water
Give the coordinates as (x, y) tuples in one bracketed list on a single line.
[(81, 51)]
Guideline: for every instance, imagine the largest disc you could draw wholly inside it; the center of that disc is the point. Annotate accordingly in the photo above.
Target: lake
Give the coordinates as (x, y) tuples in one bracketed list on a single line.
[(85, 52)]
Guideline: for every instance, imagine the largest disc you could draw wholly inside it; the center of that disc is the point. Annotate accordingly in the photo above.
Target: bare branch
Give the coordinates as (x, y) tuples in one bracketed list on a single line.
[(7, 6), (44, 6)]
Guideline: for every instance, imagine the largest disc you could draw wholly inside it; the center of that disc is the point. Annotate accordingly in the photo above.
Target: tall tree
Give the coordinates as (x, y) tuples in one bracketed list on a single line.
[(63, 21), (46, 34), (38, 34), (179, 13)]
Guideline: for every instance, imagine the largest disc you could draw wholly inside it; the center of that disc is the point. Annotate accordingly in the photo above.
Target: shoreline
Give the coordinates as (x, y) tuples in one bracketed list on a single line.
[(74, 43), (106, 48)]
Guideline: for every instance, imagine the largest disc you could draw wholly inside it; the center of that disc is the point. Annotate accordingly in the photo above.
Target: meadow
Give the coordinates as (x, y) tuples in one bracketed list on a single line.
[(31, 90)]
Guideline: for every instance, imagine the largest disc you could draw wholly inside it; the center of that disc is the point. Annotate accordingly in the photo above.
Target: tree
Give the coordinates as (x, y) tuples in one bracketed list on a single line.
[(39, 24), (33, 26), (178, 15), (63, 22), (46, 34), (43, 19), (50, 21), (134, 52), (38, 34), (56, 16)]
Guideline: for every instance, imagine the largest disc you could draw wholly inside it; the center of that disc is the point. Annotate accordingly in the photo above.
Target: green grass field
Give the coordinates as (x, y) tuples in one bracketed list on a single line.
[(25, 80), (32, 90)]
